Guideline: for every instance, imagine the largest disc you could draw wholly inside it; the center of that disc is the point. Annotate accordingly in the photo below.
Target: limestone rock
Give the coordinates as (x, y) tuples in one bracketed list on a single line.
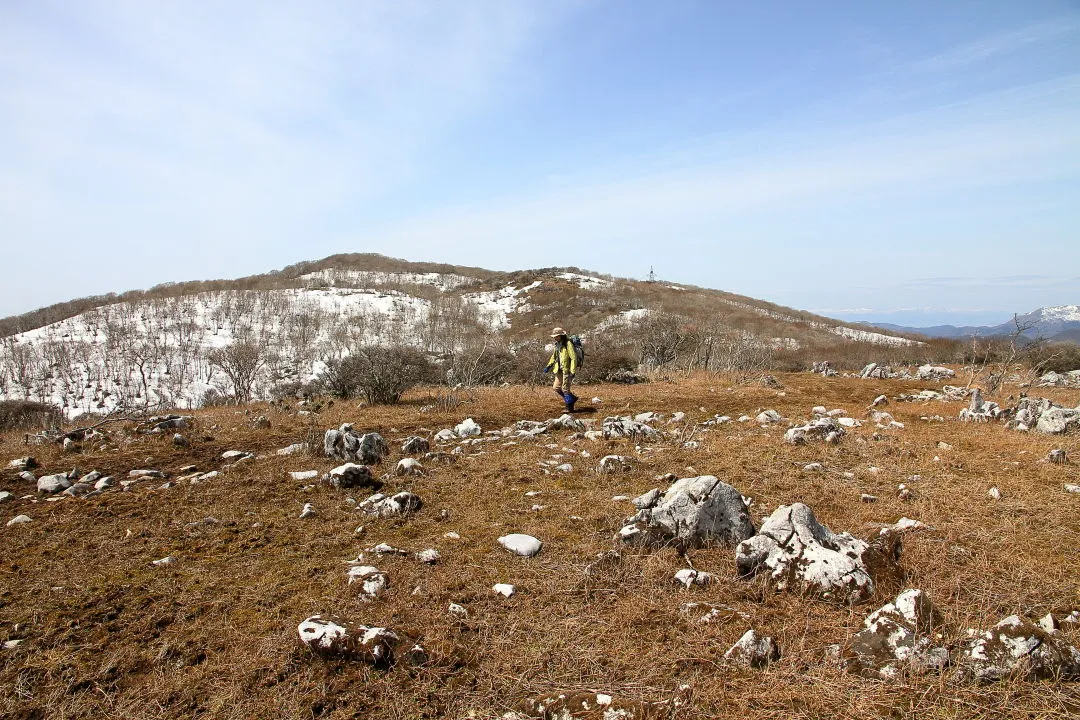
[(769, 416), (18, 520), (351, 447), (934, 372), (565, 422), (1058, 457), (1058, 421), (616, 463), (1018, 647), (415, 445), (520, 544), (375, 645), (897, 636), (980, 410), (53, 483), (372, 581), (467, 428), (351, 475), (587, 706), (688, 577), (803, 555), (403, 503), (626, 427), (409, 466), (753, 650), (692, 512), (820, 429)]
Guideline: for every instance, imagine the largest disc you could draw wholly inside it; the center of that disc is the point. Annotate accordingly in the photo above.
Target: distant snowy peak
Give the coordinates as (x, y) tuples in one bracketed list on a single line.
[(1058, 313)]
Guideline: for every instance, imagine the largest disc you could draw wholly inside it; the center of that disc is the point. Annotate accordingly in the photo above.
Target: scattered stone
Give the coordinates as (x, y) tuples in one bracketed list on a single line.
[(801, 554), (993, 493), (519, 544), (934, 372), (18, 520), (22, 464), (820, 429), (5, 496), (586, 706), (387, 549), (769, 416), (688, 577), (625, 377), (304, 474), (880, 401), (1017, 647), (429, 556), (753, 650), (693, 512), (372, 581), (234, 456), (564, 422), (1072, 488), (345, 444), (146, 475), (1058, 457), (351, 475), (409, 466), (294, 449), (403, 503), (467, 428), (261, 423), (504, 589), (899, 635), (179, 440), (375, 645), (616, 463), (814, 467), (50, 484), (415, 445), (458, 611), (104, 483), (445, 436), (167, 560), (868, 498)]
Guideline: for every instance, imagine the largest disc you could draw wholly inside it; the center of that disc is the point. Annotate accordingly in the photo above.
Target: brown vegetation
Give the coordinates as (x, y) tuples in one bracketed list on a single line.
[(108, 635)]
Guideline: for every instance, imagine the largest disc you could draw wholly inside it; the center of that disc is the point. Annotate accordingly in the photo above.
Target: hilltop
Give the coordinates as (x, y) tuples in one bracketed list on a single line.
[(155, 347)]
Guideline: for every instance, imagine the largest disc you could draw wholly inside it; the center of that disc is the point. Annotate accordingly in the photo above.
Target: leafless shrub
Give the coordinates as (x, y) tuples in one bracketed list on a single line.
[(743, 355), (378, 374), (28, 415)]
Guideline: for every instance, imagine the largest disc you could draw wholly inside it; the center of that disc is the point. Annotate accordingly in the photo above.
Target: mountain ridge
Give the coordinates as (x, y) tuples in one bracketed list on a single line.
[(1056, 322)]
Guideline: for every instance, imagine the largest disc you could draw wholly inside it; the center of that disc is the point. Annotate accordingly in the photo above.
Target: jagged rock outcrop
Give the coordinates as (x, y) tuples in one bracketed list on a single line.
[(693, 512), (980, 410), (349, 446), (1017, 647), (900, 635), (801, 554)]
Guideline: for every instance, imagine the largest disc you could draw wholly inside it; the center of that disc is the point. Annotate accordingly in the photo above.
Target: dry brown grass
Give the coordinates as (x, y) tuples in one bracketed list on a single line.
[(109, 636)]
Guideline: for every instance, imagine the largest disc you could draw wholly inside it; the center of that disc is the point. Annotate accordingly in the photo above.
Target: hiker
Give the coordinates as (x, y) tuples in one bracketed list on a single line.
[(563, 363)]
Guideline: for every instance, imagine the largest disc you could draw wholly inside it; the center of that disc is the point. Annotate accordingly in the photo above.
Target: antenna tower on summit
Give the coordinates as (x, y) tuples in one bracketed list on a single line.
[(652, 275)]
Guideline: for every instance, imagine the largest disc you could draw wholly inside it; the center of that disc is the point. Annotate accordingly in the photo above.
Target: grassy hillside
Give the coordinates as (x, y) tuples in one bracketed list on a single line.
[(106, 634)]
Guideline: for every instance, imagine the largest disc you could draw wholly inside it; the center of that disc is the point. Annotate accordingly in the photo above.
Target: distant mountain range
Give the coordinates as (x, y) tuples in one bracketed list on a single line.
[(1060, 323)]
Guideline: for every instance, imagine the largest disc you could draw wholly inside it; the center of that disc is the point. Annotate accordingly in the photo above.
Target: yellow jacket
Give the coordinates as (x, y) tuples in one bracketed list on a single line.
[(564, 358)]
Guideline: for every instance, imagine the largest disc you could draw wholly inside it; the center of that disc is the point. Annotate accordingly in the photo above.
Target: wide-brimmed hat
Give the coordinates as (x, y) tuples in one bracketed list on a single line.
[(558, 332)]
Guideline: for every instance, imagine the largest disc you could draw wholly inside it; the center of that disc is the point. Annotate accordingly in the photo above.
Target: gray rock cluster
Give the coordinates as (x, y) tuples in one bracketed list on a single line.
[(1017, 647), (1055, 379), (375, 645)]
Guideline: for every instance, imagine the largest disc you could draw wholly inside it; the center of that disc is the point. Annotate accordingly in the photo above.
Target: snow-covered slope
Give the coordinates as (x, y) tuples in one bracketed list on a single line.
[(158, 349)]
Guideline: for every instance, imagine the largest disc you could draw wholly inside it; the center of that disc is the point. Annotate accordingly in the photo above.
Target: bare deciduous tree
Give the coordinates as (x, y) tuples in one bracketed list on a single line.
[(241, 362)]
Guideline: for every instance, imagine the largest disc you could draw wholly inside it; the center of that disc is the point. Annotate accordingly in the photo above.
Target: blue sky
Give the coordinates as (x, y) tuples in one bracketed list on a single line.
[(911, 162)]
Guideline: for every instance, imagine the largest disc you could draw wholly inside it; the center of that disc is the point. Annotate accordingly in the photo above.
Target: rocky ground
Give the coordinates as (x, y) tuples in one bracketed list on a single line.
[(844, 559)]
